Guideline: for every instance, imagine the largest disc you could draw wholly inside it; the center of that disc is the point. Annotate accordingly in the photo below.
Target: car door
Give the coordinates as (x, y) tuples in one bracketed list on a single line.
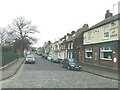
[(65, 63)]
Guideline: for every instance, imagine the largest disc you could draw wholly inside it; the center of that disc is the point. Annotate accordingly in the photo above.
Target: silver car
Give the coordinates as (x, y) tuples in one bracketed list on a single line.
[(30, 59)]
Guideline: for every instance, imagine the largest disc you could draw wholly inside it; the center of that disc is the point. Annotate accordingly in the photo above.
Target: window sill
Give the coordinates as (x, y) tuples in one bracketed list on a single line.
[(88, 57), (106, 59), (89, 41), (106, 38)]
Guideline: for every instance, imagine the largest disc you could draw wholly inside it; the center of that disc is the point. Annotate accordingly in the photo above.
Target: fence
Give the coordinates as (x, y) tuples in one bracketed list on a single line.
[(8, 57)]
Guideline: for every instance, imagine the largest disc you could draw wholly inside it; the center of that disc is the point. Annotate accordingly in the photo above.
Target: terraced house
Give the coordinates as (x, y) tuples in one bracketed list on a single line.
[(101, 42), (74, 44)]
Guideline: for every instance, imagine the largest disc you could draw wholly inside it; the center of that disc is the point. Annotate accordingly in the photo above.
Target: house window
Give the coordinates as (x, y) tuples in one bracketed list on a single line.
[(68, 45), (88, 53), (71, 45), (106, 32), (68, 54), (89, 36), (71, 55), (106, 53), (63, 46)]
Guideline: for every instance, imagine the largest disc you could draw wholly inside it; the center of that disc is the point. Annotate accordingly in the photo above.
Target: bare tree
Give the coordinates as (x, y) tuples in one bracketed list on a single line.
[(21, 31), (3, 35)]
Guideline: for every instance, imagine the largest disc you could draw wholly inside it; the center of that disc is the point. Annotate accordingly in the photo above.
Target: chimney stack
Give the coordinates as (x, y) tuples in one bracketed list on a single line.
[(85, 26), (72, 33), (108, 14)]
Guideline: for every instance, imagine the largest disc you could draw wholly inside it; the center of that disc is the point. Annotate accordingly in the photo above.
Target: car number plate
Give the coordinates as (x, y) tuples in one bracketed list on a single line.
[(76, 67)]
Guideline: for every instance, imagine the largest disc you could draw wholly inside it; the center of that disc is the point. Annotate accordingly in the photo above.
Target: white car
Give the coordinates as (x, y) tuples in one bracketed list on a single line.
[(30, 59), (28, 52), (49, 57)]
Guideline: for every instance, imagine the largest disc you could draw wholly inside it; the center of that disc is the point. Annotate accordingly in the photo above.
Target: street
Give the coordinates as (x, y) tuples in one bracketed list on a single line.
[(45, 74)]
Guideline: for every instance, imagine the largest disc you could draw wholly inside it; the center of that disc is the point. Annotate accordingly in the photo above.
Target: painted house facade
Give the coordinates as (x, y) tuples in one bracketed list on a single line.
[(100, 42), (54, 50), (62, 48)]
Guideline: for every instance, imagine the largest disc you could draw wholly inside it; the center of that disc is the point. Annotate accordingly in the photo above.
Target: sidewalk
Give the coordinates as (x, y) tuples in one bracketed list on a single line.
[(100, 70), (11, 69)]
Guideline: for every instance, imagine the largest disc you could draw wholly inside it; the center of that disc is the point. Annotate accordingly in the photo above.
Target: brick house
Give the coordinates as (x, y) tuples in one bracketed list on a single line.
[(74, 44)]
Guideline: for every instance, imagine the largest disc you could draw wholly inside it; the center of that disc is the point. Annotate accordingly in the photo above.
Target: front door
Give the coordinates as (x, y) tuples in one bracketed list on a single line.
[(96, 57), (80, 57)]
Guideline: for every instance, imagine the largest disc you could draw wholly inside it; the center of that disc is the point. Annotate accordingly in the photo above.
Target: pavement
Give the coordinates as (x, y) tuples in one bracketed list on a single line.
[(103, 71), (11, 69)]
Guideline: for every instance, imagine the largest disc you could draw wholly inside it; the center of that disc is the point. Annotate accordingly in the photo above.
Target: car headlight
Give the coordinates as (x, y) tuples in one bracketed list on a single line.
[(26, 59), (33, 59), (72, 65)]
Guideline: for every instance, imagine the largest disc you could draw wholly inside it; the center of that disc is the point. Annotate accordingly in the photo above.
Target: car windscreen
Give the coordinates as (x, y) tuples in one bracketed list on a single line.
[(29, 56), (71, 60)]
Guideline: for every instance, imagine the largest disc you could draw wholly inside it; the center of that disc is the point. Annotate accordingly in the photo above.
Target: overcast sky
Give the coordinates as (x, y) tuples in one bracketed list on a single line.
[(56, 18)]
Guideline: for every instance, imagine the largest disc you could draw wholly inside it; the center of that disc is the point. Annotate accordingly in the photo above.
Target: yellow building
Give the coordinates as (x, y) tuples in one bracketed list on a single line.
[(101, 42)]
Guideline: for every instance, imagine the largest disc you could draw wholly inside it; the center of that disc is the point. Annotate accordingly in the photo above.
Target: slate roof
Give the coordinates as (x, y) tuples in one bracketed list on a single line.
[(77, 34), (106, 21)]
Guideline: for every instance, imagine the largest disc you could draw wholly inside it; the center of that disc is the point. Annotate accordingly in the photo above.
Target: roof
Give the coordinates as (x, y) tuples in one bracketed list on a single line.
[(77, 34), (108, 20)]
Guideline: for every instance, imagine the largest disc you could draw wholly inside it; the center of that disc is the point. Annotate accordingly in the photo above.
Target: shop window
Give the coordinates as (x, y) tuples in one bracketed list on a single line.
[(106, 53), (88, 53)]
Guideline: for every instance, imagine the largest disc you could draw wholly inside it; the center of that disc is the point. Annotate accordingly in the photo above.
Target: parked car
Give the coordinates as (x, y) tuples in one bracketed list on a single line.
[(30, 59), (44, 55), (49, 57), (71, 63), (55, 59), (28, 52)]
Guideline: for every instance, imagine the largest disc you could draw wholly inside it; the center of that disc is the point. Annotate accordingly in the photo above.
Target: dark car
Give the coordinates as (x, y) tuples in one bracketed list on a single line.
[(30, 59), (71, 63), (44, 55)]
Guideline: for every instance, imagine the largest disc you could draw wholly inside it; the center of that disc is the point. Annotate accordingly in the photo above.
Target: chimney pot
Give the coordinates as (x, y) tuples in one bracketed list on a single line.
[(108, 14)]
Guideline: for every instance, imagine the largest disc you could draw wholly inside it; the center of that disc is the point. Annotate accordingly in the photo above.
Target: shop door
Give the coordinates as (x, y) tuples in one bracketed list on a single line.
[(96, 57)]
